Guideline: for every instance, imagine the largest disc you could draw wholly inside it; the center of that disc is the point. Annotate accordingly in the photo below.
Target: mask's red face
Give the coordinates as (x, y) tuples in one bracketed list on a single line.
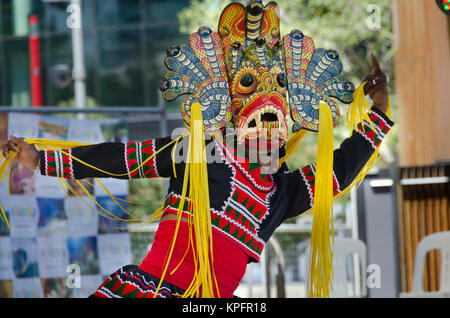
[(259, 102)]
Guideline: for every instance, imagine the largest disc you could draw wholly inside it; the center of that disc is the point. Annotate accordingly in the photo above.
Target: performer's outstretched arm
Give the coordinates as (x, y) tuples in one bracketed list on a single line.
[(117, 160), (354, 152), (348, 160)]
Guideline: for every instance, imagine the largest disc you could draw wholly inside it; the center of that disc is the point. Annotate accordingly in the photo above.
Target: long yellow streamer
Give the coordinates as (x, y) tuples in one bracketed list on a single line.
[(359, 109), (370, 163), (59, 145), (320, 273), (201, 216), (200, 231), (177, 226)]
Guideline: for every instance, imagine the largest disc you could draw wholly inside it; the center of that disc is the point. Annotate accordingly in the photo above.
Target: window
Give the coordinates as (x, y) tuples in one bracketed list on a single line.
[(125, 44)]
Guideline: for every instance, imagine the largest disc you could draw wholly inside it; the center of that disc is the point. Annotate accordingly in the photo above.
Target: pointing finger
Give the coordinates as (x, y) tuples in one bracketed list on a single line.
[(375, 65)]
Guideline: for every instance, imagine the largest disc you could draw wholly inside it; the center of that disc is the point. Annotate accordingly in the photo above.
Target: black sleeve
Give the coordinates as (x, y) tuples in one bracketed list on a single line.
[(116, 160), (348, 160)]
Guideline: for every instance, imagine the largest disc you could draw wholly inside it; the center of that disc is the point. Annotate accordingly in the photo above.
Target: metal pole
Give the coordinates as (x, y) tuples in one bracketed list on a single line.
[(78, 72), (35, 62)]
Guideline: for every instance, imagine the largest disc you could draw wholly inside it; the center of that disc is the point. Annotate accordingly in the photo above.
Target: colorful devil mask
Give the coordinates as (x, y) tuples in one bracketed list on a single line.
[(246, 77)]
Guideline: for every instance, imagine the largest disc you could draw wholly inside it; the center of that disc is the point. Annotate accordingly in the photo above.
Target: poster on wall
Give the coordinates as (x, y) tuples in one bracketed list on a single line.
[(6, 262), (107, 222), (114, 252), (53, 257), (52, 217), (21, 179), (6, 289), (82, 219), (53, 127), (27, 288), (23, 125), (56, 288), (85, 130), (23, 215), (89, 283), (84, 253), (24, 252)]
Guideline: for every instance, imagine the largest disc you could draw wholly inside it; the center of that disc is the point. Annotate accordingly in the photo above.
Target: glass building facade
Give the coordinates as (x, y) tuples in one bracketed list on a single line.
[(125, 44)]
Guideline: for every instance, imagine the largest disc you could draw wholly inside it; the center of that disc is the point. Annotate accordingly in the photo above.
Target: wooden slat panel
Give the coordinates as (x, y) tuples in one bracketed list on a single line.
[(414, 222), (428, 209), (423, 210), (419, 204), (434, 210)]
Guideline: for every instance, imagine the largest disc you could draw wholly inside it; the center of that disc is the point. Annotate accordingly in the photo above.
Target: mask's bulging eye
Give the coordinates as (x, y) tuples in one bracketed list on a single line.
[(246, 80), (246, 84), (281, 78)]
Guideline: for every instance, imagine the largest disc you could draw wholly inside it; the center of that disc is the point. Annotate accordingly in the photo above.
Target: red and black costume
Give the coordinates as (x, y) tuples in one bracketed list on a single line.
[(246, 204)]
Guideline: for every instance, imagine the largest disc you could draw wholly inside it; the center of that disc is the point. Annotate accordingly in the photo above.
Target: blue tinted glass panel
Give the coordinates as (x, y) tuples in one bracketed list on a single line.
[(116, 12)]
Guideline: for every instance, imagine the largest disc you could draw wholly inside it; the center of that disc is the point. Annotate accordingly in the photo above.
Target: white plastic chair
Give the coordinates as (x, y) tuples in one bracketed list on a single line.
[(437, 241), (342, 248)]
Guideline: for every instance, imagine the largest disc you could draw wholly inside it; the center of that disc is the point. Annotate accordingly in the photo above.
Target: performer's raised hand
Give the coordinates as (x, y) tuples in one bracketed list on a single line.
[(376, 86), (26, 153)]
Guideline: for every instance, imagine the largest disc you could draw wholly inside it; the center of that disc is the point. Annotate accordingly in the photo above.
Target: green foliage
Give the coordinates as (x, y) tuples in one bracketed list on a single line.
[(339, 25), (149, 193), (140, 245), (90, 103)]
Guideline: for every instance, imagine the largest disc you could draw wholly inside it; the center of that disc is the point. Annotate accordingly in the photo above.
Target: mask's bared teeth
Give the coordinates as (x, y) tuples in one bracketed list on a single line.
[(280, 115), (284, 131), (258, 119), (242, 130)]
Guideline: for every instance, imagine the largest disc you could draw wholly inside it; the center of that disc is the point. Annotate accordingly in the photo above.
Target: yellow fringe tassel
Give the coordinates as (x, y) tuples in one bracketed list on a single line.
[(59, 145), (321, 271), (320, 274), (204, 282), (370, 163), (359, 109)]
